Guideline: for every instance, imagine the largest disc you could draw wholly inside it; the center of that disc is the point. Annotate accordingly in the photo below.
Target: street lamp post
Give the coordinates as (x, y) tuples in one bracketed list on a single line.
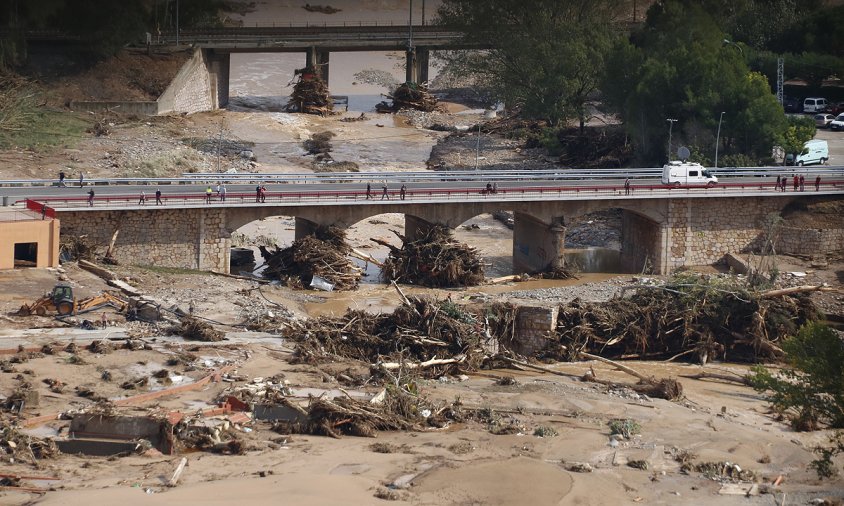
[(718, 138), (731, 43), (671, 122), (177, 22)]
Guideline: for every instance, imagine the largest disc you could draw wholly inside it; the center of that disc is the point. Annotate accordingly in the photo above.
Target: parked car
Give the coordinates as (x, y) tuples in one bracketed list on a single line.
[(791, 104), (837, 123), (814, 151), (823, 120), (836, 108), (814, 105)]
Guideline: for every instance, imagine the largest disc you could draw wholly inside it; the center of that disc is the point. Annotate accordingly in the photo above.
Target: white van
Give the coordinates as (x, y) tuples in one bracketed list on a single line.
[(815, 151), (679, 173), (814, 104)]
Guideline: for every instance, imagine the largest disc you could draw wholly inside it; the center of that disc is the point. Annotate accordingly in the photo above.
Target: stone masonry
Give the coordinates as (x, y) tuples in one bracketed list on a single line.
[(183, 238), (810, 241), (535, 326), (663, 233), (701, 233)]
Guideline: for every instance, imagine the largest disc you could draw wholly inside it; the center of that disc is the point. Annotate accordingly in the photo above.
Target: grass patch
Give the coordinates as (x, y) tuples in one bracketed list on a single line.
[(46, 128), (626, 427), (166, 164)]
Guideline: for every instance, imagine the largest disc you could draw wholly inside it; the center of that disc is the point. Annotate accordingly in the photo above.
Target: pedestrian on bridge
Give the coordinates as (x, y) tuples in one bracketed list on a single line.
[(218, 190), (143, 198), (158, 197), (796, 182), (368, 191), (223, 193), (627, 186), (61, 179), (802, 182), (384, 193), (208, 193), (779, 181), (818, 183), (403, 192), (91, 197), (81, 178), (258, 193), (784, 182), (263, 194)]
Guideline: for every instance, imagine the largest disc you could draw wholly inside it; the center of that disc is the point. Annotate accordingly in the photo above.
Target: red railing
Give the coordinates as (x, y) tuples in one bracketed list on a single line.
[(41, 207), (416, 194)]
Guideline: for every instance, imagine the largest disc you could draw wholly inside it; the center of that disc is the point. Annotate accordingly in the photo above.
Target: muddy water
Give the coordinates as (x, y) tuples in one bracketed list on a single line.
[(264, 80)]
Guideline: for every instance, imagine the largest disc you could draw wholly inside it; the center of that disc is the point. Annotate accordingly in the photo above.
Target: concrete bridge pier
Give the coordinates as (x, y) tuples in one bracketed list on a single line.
[(417, 63), (304, 228), (318, 59), (537, 245), (410, 66)]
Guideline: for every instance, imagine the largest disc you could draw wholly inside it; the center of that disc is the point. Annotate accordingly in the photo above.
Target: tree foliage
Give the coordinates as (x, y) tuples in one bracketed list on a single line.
[(799, 130), (810, 392), (544, 56), (678, 67)]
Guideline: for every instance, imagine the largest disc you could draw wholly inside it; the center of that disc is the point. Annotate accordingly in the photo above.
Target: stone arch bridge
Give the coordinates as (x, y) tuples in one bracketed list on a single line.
[(660, 233)]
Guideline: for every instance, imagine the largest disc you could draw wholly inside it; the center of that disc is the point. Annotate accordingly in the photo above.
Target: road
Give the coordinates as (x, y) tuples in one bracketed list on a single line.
[(128, 196)]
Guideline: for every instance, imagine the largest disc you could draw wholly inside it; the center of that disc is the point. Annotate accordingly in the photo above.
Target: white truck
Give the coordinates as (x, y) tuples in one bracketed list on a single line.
[(678, 173), (814, 151)]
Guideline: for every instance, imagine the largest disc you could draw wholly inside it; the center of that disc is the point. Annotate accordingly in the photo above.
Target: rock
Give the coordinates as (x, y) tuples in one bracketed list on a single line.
[(579, 467)]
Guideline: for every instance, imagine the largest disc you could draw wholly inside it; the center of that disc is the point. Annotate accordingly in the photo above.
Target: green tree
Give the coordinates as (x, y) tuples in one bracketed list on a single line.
[(544, 56), (798, 131), (678, 67), (811, 390)]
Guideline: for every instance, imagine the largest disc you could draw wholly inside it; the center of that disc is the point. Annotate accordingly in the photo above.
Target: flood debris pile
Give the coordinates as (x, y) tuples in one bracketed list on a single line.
[(197, 330), (428, 337), (77, 247), (313, 260), (435, 260), (392, 410), (15, 446), (693, 317), (310, 93), (409, 96)]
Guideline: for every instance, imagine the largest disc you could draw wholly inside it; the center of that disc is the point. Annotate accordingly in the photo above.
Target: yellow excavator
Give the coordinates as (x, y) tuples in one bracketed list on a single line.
[(62, 301)]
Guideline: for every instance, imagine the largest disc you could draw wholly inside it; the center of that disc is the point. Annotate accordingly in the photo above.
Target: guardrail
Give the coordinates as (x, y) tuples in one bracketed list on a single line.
[(428, 195), (421, 176)]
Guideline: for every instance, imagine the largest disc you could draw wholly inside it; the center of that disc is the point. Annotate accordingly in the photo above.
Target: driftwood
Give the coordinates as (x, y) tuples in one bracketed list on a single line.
[(391, 366), (435, 260), (324, 254), (665, 388), (178, 472), (409, 96), (796, 289), (310, 93), (691, 316)]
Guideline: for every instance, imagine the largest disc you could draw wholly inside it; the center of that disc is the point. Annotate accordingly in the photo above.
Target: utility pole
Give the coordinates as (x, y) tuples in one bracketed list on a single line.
[(718, 138), (478, 148), (410, 28), (671, 122), (177, 22), (219, 146), (423, 12)]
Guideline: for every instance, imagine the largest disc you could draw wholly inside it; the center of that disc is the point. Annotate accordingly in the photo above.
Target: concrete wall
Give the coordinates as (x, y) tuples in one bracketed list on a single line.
[(641, 240), (537, 245), (195, 238), (191, 90), (43, 232)]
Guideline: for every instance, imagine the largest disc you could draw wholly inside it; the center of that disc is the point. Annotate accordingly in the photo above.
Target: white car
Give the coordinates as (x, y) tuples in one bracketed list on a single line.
[(837, 123)]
